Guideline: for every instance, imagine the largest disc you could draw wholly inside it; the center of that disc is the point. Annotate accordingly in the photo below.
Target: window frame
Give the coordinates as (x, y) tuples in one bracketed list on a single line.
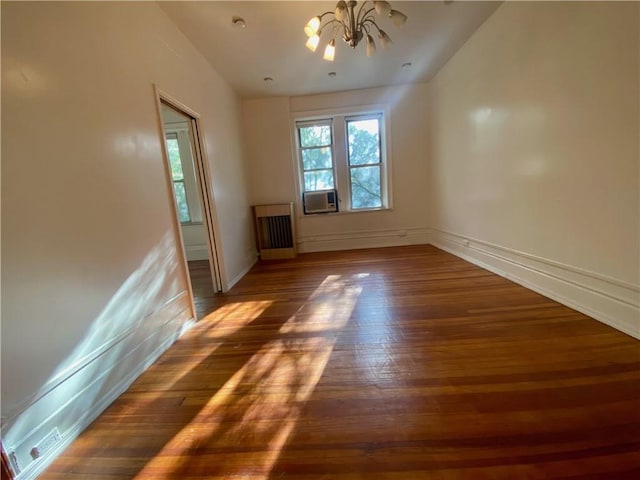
[(340, 154)]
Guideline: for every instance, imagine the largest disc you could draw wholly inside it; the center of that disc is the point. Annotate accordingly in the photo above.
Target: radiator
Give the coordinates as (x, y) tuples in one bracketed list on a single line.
[(275, 231)]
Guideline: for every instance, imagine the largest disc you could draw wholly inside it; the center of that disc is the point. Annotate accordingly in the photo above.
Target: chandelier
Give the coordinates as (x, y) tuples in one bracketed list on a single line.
[(354, 23)]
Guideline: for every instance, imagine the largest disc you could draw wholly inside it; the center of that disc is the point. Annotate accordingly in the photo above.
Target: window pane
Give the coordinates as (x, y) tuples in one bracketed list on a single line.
[(318, 180), (316, 158), (181, 201), (365, 187), (315, 136), (174, 159), (364, 141)]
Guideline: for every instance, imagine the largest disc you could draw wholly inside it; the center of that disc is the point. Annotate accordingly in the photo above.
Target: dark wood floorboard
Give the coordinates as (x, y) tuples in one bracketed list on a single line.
[(395, 363)]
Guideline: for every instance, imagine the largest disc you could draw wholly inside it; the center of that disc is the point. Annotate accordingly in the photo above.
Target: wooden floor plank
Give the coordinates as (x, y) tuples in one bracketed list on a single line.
[(395, 363)]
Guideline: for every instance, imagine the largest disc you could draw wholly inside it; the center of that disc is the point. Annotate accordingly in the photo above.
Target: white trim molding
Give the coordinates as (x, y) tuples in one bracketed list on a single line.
[(85, 390), (363, 239), (611, 301)]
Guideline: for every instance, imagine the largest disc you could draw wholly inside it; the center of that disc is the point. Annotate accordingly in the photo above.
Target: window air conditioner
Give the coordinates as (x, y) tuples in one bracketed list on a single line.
[(320, 202)]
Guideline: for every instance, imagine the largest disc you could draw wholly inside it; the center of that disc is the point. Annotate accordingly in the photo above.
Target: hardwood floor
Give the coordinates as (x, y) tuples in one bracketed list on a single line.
[(396, 363), (204, 298)]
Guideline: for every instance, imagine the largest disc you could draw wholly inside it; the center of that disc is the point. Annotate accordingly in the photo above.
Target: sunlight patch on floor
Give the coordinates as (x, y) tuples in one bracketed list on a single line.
[(253, 415), (219, 324), (328, 308), (232, 317)]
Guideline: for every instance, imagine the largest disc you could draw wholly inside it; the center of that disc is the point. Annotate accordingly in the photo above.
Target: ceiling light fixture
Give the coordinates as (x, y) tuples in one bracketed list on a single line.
[(353, 26)]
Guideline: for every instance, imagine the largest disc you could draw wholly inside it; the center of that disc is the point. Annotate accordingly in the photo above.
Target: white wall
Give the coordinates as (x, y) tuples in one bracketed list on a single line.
[(534, 153), (93, 288), (271, 157)]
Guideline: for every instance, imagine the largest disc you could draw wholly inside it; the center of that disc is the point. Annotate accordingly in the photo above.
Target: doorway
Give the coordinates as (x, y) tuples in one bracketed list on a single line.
[(193, 202)]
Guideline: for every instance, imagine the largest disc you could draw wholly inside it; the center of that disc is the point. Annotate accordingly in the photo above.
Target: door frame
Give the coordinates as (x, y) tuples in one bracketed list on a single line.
[(207, 201)]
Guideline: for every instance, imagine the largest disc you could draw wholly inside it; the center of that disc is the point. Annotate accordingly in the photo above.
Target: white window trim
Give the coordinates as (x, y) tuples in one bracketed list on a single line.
[(340, 161)]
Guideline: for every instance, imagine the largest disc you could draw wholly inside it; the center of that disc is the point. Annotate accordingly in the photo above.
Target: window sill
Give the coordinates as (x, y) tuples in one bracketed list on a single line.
[(189, 224), (345, 212)]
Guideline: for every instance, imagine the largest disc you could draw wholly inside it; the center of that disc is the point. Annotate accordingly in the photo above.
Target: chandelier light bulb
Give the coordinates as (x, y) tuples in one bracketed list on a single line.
[(341, 12), (330, 51), (382, 8), (371, 46), (312, 43), (385, 41), (312, 27), (398, 18)]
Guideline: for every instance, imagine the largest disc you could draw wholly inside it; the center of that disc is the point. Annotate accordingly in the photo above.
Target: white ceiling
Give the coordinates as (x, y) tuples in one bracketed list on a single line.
[(272, 44)]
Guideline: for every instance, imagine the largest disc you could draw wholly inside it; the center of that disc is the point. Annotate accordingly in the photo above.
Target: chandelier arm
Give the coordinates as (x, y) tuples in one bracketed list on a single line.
[(368, 18), (367, 14), (371, 21), (359, 17), (335, 20), (323, 14), (336, 28)]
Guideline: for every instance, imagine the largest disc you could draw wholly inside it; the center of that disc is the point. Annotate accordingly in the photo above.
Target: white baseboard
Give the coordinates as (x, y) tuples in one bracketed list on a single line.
[(363, 239), (611, 301), (91, 388)]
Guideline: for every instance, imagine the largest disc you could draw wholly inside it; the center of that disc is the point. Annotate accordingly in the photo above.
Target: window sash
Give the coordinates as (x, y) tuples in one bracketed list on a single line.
[(331, 168), (178, 179), (315, 123), (368, 166)]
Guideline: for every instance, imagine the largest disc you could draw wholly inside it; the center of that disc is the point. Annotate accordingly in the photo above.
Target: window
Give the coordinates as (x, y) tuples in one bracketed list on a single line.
[(346, 153), (315, 153), (365, 162), (177, 175)]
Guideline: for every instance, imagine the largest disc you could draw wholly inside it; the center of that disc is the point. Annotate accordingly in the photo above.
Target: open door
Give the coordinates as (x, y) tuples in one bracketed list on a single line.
[(194, 206), (208, 208)]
